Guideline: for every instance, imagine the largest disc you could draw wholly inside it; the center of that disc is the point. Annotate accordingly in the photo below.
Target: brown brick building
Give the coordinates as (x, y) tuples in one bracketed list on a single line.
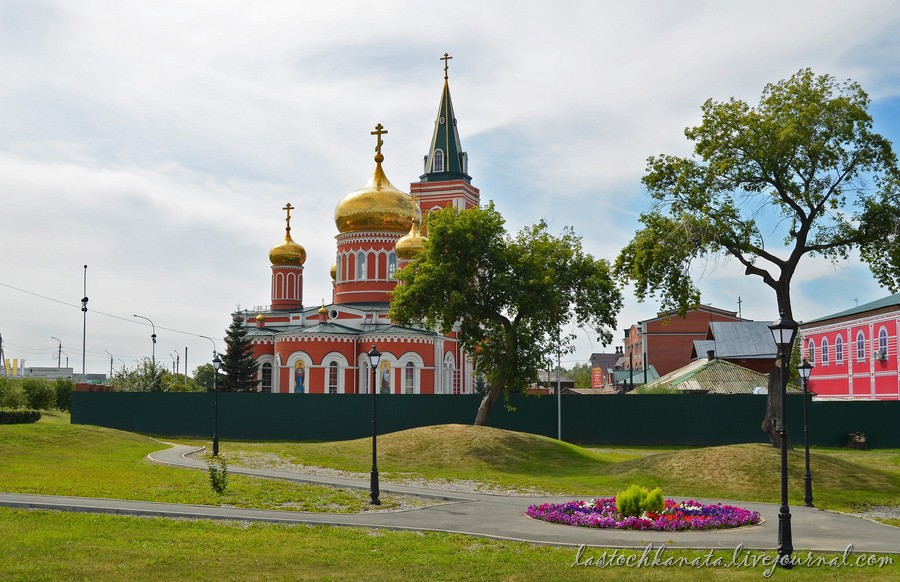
[(666, 341)]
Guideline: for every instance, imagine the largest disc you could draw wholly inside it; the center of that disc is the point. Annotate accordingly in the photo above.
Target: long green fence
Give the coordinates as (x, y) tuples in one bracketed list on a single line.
[(614, 420)]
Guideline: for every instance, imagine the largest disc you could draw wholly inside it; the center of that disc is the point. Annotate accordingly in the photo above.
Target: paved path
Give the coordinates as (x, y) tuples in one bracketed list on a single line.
[(498, 517)]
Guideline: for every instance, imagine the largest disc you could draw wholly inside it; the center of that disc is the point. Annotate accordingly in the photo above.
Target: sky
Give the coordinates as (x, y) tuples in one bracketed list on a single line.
[(156, 142)]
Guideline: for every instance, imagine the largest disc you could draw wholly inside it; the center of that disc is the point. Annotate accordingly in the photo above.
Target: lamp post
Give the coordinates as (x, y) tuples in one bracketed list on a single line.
[(216, 363), (59, 353), (805, 369), (374, 359), (783, 332), (152, 337)]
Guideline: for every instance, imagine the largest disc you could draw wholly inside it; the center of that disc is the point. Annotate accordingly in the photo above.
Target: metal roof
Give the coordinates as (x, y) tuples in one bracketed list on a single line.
[(737, 339), (715, 377), (889, 301)]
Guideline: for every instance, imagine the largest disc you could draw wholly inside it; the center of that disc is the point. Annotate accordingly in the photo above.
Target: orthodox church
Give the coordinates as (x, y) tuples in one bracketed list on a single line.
[(309, 350)]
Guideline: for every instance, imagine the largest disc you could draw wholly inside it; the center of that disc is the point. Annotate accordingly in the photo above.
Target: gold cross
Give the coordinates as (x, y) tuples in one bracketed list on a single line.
[(379, 131), (288, 220), (446, 58)]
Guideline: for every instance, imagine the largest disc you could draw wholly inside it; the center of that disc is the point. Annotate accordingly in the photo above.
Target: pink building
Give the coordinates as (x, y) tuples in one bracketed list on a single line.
[(855, 351)]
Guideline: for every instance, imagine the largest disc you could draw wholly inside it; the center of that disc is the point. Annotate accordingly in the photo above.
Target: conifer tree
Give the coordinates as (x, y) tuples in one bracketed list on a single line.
[(238, 364)]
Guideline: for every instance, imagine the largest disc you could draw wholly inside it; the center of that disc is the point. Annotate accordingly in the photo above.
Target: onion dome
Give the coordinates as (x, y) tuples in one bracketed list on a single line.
[(288, 252), (260, 318), (412, 244), (333, 272), (323, 310), (378, 205)]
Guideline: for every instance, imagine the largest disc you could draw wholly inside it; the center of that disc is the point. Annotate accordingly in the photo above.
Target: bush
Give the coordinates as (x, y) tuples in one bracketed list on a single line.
[(19, 416), (11, 395), (218, 476), (64, 388), (39, 393), (636, 500)]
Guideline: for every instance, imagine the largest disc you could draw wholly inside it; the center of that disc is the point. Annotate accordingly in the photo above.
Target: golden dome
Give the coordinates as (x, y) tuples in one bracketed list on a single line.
[(288, 252), (333, 272), (260, 317), (378, 205), (323, 310), (412, 244)]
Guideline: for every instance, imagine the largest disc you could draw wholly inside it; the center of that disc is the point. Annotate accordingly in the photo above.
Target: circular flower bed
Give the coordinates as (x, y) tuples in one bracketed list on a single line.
[(602, 513)]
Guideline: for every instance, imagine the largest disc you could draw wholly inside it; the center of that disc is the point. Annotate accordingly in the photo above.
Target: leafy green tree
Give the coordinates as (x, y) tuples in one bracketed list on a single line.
[(506, 296), (39, 393), (204, 376), (11, 394), (581, 375), (802, 170), (238, 364), (147, 376), (63, 388)]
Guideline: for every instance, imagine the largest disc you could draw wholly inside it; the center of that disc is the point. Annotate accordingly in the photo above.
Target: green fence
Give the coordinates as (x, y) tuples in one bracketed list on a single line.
[(614, 420)]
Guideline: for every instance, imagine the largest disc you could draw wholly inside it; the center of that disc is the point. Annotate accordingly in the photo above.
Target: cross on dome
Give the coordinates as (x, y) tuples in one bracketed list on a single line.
[(379, 131), (288, 207), (446, 58)]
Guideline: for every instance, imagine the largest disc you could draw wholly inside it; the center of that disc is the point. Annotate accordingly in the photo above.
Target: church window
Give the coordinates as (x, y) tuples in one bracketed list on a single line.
[(825, 356), (338, 272), (266, 376), (811, 352), (360, 266), (392, 264), (409, 378), (438, 161), (365, 378), (860, 346), (333, 378), (839, 350), (882, 343)]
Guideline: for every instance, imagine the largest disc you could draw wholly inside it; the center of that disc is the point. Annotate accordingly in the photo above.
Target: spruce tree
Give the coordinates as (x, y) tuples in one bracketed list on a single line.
[(238, 364)]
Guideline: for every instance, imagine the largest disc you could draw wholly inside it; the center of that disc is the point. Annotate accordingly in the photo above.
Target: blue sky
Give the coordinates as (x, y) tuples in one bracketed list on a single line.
[(157, 142)]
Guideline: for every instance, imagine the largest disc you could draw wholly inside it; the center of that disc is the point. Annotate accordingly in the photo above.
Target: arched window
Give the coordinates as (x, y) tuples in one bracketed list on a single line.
[(409, 378), (882, 343), (366, 379), (860, 346), (339, 269), (811, 352), (824, 351), (438, 163), (266, 375), (333, 378), (392, 264), (838, 350), (361, 266)]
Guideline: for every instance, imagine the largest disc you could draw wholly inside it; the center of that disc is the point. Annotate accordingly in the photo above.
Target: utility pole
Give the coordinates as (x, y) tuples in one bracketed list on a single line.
[(84, 302), (59, 353), (110, 363), (3, 358)]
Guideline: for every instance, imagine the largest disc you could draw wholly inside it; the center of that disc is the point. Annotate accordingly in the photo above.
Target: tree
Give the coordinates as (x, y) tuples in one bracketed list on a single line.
[(506, 297), (238, 362), (204, 376), (802, 170), (581, 374), (148, 376)]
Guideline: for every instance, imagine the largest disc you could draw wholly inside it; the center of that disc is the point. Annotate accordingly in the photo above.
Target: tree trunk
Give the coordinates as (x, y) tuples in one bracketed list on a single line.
[(485, 407), (772, 420)]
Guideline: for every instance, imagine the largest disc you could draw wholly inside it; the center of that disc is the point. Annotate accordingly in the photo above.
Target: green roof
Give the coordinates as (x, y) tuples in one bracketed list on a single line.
[(889, 301)]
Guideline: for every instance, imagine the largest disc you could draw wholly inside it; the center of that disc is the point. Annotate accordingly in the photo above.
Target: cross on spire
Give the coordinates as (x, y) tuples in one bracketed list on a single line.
[(288, 207), (446, 58), (379, 131)]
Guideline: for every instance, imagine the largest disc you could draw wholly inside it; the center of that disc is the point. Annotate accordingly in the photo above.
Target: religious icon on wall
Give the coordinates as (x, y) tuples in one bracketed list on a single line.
[(384, 376), (299, 376)]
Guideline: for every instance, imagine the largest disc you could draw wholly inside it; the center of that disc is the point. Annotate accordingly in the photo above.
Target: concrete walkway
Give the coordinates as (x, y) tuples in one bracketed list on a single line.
[(498, 517)]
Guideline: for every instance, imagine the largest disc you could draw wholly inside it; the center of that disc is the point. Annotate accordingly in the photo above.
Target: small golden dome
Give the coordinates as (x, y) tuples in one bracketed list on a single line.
[(323, 310), (333, 272), (288, 252), (260, 317), (378, 205), (412, 244)]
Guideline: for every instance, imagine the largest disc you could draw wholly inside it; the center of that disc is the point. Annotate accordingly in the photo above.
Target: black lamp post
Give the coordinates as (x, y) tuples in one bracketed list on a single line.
[(374, 358), (783, 332), (216, 363), (805, 369)]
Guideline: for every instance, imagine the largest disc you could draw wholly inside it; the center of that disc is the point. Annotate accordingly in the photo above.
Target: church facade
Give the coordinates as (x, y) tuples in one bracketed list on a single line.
[(324, 349)]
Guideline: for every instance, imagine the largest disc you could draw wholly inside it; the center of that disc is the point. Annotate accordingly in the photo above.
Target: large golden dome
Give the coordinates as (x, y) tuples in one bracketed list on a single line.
[(378, 205), (288, 252)]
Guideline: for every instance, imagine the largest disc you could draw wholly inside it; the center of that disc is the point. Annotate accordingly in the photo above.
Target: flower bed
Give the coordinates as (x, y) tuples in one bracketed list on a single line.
[(602, 513)]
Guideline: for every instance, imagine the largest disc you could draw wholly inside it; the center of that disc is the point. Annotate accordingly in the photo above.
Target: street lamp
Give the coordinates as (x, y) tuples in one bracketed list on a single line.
[(805, 369), (152, 337), (216, 363), (59, 353), (783, 332), (374, 358)]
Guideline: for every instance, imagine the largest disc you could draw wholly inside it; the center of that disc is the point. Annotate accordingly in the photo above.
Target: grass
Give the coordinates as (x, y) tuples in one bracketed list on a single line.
[(55, 458), (42, 545), (843, 480)]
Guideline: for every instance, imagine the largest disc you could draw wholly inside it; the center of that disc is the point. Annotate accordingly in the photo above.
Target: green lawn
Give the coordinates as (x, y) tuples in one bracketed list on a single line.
[(42, 545)]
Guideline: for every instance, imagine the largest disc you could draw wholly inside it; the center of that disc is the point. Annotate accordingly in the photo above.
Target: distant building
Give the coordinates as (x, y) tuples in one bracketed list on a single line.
[(854, 352), (745, 343), (714, 376), (666, 341), (602, 367)]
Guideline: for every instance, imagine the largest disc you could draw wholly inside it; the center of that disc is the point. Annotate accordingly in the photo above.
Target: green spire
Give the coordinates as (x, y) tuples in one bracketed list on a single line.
[(445, 160)]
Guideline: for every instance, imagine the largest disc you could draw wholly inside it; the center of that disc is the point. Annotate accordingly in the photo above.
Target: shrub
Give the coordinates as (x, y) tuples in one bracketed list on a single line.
[(11, 395), (19, 416), (39, 393), (636, 500), (64, 388), (218, 476)]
